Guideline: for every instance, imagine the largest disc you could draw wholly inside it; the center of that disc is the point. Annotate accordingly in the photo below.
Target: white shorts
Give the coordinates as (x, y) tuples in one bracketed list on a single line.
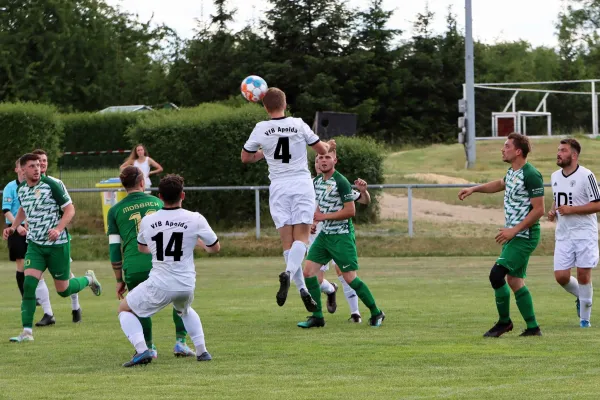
[(145, 300), (580, 253), (292, 202)]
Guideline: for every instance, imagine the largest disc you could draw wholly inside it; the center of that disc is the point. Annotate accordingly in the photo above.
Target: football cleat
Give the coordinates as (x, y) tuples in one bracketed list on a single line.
[(499, 329), (140, 359), (376, 320), (331, 301), (76, 315), (309, 303), (312, 322), (284, 287), (532, 332), (183, 350), (46, 320), (355, 318), (204, 356), (585, 324), (94, 283), (23, 337), (153, 352)]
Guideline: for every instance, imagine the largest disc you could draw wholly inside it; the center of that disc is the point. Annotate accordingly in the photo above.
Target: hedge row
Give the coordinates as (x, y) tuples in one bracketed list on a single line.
[(25, 127)]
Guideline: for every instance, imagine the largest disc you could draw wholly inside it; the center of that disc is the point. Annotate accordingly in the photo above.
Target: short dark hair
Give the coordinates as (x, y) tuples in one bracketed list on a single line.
[(131, 177), (39, 152), (274, 100), (573, 143), (521, 142), (28, 157), (170, 188)]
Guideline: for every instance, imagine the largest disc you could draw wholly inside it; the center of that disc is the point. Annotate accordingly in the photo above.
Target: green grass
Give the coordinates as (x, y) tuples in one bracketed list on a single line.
[(430, 346), (449, 160)]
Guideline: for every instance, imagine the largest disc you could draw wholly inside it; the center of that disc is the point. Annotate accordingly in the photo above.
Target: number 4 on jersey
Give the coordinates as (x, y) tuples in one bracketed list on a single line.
[(282, 151)]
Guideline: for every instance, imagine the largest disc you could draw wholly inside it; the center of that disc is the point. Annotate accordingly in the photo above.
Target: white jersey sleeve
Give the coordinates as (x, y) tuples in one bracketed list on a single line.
[(592, 188), (205, 232), (310, 137), (253, 143)]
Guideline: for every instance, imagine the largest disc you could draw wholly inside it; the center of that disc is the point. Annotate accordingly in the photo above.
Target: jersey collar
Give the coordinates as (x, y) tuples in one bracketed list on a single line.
[(566, 176), (171, 208), (278, 118)]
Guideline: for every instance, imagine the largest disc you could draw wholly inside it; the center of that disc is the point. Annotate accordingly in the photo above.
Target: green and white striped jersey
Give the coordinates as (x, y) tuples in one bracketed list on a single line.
[(521, 186), (43, 205), (331, 196)]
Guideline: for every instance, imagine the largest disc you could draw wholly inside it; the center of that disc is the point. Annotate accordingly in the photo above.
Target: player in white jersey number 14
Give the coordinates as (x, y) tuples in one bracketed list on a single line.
[(170, 235), (282, 142), (576, 201)]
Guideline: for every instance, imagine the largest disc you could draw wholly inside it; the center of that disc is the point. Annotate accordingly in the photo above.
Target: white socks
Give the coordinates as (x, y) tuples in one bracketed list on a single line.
[(351, 296), (42, 295), (327, 287), (295, 257), (74, 299), (586, 293), (572, 287), (133, 330), (193, 326), (297, 276)]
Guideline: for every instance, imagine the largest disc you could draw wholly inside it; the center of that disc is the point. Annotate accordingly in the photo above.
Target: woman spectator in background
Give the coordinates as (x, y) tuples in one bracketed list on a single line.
[(139, 158)]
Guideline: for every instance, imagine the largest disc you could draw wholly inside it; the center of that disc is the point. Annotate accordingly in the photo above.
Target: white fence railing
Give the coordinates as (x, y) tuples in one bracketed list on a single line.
[(409, 188)]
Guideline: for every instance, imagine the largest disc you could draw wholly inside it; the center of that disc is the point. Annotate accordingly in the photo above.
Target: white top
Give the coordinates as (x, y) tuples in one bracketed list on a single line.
[(145, 167), (171, 235), (283, 141), (577, 189)]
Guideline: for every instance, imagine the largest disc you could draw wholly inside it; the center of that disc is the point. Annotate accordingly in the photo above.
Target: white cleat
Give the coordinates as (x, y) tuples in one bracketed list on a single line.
[(23, 337)]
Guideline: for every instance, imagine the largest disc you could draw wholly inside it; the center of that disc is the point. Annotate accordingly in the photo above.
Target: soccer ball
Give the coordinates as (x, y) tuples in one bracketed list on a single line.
[(254, 88)]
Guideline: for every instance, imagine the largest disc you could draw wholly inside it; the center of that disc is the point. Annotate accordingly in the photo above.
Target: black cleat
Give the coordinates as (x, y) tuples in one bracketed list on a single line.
[(376, 320), (76, 315), (46, 320), (355, 318), (139, 359), (284, 287), (309, 302), (499, 329), (331, 302), (204, 356), (312, 322), (532, 332)]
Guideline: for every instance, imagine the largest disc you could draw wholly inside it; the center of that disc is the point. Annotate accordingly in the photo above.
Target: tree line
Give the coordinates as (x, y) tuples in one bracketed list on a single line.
[(84, 55)]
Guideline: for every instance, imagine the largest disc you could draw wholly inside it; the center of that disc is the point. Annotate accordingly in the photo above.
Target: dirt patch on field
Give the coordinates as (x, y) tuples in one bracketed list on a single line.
[(436, 178), (396, 207)]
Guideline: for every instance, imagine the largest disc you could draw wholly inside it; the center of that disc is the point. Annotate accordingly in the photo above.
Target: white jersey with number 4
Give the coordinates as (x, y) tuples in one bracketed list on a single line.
[(283, 141), (577, 189), (171, 234)]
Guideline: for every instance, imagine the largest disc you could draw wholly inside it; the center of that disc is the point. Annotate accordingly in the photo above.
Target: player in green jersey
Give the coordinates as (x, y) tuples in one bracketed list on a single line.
[(130, 266), (335, 207), (48, 209), (523, 207)]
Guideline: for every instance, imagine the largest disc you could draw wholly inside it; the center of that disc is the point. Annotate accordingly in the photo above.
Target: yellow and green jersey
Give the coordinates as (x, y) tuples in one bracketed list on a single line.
[(123, 225)]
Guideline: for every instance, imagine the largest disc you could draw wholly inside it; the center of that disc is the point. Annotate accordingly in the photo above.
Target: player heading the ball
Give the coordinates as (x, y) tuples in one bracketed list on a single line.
[(282, 142)]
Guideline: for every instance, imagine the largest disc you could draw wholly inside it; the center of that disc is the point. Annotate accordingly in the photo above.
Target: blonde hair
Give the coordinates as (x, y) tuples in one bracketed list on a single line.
[(133, 156)]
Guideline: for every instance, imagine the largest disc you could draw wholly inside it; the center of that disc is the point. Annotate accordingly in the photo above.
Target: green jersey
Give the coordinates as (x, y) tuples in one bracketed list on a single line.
[(331, 196), (521, 186), (123, 223), (43, 204)]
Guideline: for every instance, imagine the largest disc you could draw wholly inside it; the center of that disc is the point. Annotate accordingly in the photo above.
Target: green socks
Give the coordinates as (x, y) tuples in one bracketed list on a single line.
[(312, 284), (364, 294), (503, 303), (76, 285), (28, 303), (180, 332), (147, 329), (525, 304)]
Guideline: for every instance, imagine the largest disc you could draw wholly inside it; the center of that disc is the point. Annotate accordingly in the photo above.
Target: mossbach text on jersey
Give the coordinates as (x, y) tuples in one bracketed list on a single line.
[(138, 206)]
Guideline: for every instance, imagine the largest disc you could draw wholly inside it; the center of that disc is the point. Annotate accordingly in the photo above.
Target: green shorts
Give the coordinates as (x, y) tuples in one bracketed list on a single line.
[(515, 254), (57, 259), (135, 278), (339, 248)]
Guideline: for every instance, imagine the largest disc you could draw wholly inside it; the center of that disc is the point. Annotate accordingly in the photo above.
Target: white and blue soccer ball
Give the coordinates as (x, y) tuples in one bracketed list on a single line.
[(254, 88)]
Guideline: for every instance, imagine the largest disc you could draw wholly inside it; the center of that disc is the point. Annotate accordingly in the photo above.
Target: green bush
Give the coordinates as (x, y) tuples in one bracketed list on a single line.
[(203, 145), (26, 127), (360, 158)]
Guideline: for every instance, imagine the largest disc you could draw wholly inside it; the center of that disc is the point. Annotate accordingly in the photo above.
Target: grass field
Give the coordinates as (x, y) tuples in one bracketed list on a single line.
[(429, 347)]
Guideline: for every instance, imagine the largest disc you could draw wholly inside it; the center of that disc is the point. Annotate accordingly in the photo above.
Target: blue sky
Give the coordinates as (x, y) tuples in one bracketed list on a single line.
[(531, 20)]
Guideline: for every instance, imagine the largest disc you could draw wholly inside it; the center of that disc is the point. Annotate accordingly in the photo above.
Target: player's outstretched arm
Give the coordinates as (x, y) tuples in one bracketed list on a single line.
[(324, 147), (249, 158), (490, 187), (215, 248)]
